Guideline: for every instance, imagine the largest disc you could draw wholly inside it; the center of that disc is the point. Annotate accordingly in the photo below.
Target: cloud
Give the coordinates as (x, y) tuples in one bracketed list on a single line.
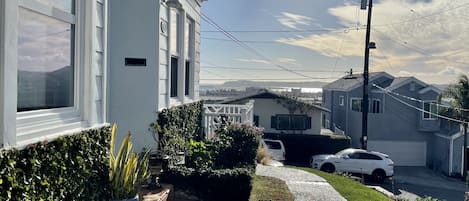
[(292, 21), (425, 37), (259, 61), (287, 61)]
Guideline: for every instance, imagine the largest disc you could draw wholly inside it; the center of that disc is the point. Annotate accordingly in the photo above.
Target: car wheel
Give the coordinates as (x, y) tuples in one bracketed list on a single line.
[(378, 176), (329, 168)]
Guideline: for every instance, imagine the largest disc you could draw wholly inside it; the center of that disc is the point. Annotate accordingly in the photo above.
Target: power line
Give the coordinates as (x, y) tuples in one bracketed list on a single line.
[(415, 48), (345, 29), (247, 47), (245, 41), (421, 110), (422, 17), (418, 100), (270, 69), (271, 79)]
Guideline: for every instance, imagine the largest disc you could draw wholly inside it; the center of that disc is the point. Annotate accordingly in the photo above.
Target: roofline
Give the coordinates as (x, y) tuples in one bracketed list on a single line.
[(276, 95), (428, 88), (378, 75), (408, 80)]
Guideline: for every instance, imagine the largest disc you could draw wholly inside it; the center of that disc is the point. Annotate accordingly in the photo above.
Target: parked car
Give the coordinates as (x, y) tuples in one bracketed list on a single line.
[(356, 161), (275, 149)]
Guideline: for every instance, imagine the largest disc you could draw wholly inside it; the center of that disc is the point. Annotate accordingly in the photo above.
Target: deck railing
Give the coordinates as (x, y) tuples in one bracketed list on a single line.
[(216, 114)]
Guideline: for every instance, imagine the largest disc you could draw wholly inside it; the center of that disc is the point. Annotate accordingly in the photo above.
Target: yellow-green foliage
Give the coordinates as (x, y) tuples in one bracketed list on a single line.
[(126, 170)]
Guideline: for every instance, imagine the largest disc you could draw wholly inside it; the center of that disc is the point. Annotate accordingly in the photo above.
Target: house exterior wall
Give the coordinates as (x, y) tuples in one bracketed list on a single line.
[(266, 108), (441, 154), (133, 34), (89, 56), (141, 29)]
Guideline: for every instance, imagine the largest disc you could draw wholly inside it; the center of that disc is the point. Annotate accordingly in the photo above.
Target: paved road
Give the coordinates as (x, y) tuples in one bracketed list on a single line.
[(413, 182), (303, 185)]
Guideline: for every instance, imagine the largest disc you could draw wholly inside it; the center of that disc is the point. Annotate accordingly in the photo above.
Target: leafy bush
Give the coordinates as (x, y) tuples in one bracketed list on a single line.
[(236, 145), (199, 156), (69, 168), (221, 184), (176, 126)]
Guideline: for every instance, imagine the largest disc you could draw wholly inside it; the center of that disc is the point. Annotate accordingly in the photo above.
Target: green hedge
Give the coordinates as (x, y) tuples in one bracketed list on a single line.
[(300, 147), (175, 127), (213, 185), (68, 168)]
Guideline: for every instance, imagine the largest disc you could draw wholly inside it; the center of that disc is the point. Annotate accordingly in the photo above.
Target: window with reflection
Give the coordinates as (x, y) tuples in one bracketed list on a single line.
[(45, 58)]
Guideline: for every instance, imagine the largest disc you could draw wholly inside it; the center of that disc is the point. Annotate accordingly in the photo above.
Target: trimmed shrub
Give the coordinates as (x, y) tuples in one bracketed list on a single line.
[(300, 147), (68, 168), (175, 126), (222, 184), (236, 145)]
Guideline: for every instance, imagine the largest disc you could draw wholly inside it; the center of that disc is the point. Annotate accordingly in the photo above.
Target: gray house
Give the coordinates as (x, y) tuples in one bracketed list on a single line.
[(397, 123)]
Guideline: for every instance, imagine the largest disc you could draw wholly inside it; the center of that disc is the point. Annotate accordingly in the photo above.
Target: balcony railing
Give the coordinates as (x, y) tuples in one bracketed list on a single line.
[(217, 114)]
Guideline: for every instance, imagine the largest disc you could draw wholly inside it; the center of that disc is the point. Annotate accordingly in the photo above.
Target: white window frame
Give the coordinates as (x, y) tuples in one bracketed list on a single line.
[(351, 104), (430, 117), (21, 128), (190, 57), (341, 100), (176, 52)]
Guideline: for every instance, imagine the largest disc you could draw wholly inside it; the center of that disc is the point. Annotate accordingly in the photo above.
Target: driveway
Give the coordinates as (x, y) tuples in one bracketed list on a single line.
[(303, 185), (412, 182)]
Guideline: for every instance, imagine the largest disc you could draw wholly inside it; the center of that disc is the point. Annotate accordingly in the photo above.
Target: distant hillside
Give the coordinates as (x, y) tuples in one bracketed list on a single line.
[(242, 84)]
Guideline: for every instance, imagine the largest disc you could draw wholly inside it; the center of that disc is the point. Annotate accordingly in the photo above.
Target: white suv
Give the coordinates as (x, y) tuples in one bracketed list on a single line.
[(357, 161), (275, 149)]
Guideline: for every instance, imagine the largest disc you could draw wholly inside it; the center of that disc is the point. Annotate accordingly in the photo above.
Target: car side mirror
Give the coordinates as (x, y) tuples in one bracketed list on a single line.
[(345, 157)]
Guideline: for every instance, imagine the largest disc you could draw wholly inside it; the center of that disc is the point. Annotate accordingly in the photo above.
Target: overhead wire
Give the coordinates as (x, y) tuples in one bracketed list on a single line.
[(247, 47), (418, 100)]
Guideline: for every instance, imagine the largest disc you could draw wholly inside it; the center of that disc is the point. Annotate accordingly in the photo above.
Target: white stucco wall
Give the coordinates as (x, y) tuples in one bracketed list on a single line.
[(133, 95), (136, 94), (265, 108)]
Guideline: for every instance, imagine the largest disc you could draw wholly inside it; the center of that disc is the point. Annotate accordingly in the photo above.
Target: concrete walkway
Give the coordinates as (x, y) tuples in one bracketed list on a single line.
[(304, 186)]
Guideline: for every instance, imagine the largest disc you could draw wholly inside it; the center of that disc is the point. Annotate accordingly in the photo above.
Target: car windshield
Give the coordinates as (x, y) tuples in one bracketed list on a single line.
[(273, 145)]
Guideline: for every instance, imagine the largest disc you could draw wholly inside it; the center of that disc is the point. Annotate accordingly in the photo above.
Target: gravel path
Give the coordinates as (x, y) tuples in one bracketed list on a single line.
[(304, 186)]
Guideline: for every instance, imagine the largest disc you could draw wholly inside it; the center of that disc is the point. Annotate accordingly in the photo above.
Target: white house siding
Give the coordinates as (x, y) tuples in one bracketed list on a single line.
[(134, 90), (265, 108), (192, 9), (136, 94)]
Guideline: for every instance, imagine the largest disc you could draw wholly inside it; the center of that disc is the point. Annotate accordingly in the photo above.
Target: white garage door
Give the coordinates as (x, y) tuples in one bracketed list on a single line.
[(402, 153)]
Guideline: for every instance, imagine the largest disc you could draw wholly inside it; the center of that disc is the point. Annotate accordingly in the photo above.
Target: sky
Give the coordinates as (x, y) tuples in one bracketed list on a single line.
[(319, 40)]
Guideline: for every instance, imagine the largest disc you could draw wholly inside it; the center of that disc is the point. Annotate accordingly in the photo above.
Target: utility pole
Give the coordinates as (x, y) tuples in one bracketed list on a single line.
[(464, 173), (365, 101)]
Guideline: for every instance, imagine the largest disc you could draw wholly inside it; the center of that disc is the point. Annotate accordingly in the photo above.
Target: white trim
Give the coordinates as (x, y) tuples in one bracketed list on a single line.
[(341, 100), (408, 80), (9, 72), (430, 88), (50, 11), (2, 67), (430, 112), (351, 103)]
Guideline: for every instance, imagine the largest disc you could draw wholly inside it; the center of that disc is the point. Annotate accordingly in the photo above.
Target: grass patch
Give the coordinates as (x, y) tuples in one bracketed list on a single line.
[(268, 188), (348, 188)]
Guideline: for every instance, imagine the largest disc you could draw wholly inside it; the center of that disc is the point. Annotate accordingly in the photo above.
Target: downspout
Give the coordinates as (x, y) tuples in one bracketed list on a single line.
[(451, 145)]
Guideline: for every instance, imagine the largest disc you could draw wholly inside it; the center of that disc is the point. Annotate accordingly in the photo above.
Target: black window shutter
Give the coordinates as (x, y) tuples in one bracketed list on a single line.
[(307, 122), (273, 122)]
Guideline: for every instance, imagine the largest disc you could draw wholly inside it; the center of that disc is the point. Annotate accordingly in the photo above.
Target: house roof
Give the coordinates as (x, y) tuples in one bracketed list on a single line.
[(264, 93), (350, 82), (401, 81)]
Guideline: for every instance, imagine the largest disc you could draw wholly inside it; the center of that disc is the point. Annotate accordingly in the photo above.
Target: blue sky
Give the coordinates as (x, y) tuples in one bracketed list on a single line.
[(425, 39)]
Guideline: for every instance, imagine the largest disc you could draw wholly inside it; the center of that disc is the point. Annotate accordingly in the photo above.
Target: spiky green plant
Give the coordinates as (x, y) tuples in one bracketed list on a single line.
[(127, 171)]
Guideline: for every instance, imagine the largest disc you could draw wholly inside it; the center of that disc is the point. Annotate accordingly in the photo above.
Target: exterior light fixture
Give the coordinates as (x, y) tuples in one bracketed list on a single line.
[(174, 4), (372, 45)]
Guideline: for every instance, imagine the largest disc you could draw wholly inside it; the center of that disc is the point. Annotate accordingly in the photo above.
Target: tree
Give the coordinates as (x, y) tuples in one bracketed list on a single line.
[(458, 97)]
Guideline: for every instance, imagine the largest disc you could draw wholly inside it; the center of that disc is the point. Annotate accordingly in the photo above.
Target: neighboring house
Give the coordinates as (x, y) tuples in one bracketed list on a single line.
[(67, 66), (411, 137), (281, 114)]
